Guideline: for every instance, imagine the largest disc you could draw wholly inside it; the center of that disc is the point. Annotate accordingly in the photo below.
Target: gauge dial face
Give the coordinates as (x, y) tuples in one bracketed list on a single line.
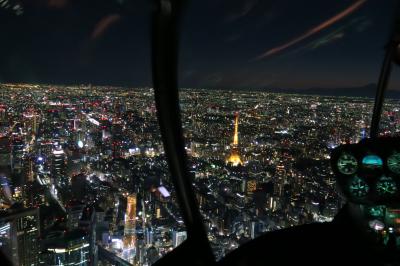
[(358, 188), (372, 162), (347, 164), (376, 211), (393, 163), (386, 186)]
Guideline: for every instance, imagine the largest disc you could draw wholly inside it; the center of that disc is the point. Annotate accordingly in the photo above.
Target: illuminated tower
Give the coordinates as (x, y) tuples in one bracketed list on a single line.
[(130, 223), (234, 157)]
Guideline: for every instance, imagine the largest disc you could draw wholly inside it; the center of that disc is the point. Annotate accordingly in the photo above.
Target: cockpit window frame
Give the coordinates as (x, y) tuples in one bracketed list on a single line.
[(165, 38)]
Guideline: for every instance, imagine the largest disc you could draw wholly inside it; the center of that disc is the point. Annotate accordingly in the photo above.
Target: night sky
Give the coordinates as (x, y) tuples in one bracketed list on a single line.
[(224, 43)]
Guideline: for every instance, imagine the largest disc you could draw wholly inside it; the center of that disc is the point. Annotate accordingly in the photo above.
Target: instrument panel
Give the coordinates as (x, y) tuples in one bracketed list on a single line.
[(369, 172)]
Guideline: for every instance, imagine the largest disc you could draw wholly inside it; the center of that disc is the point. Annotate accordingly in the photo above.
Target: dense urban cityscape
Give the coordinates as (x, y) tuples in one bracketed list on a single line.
[(84, 179)]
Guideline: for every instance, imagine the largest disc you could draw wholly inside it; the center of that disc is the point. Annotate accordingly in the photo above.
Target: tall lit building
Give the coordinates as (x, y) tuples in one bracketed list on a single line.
[(178, 237), (29, 168), (129, 239), (70, 248), (32, 119), (6, 195), (58, 167), (19, 236), (234, 157), (17, 161), (149, 236), (17, 152)]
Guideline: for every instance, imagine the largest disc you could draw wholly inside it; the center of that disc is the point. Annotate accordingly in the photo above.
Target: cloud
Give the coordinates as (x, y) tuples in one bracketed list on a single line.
[(104, 24), (357, 24), (349, 10), (363, 25), (327, 40)]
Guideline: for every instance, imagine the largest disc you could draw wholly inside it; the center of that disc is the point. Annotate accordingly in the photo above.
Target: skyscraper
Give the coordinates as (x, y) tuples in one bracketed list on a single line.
[(32, 120), (129, 239), (178, 237), (17, 161), (70, 248), (17, 147), (58, 167), (19, 233), (4, 152), (74, 214)]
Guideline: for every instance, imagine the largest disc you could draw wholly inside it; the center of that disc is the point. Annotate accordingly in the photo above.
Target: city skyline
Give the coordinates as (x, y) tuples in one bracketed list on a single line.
[(92, 160)]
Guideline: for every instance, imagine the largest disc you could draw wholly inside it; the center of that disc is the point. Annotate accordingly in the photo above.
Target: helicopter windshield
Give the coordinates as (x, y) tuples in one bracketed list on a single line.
[(266, 95)]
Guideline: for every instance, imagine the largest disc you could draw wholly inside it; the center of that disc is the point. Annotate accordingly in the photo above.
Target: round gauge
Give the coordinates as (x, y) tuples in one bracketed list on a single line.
[(347, 164), (376, 211), (393, 163), (358, 188), (372, 162), (386, 186)]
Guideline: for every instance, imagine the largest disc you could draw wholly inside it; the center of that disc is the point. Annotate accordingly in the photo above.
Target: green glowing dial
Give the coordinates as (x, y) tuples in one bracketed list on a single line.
[(358, 187), (347, 164), (376, 211), (393, 163), (386, 186)]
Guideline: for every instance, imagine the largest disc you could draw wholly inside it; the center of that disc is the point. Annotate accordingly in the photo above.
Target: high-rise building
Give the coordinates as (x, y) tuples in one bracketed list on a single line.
[(6, 195), (74, 214), (70, 248), (4, 152), (129, 239), (178, 237), (58, 167), (88, 224), (28, 170), (17, 152), (234, 158), (32, 119), (280, 179), (149, 236), (256, 228), (19, 236)]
